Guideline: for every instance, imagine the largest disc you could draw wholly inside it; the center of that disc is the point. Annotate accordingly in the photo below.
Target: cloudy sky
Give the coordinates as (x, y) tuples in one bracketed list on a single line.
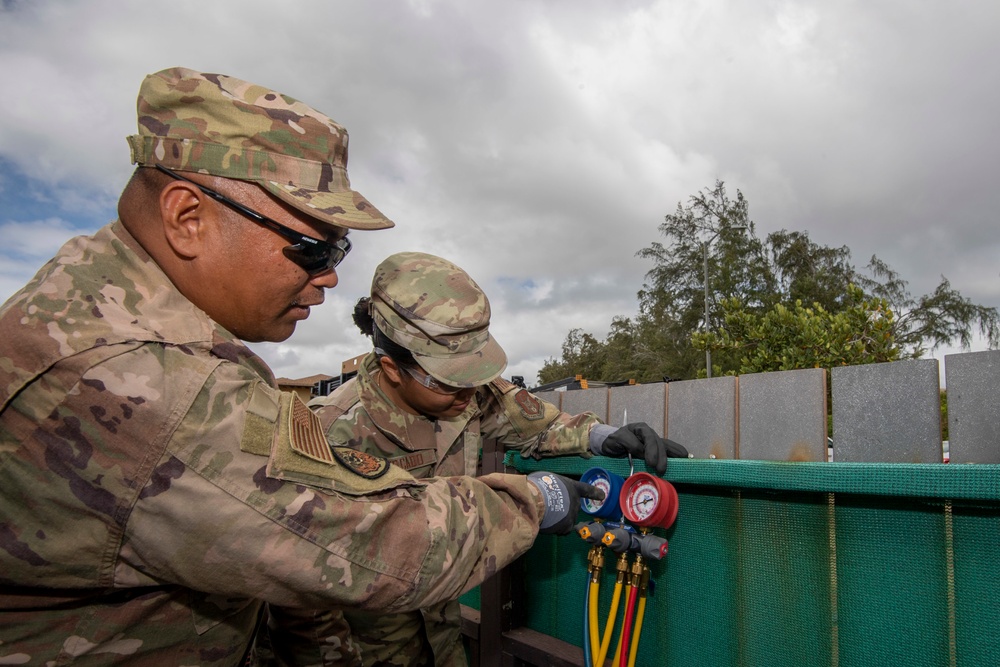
[(539, 144)]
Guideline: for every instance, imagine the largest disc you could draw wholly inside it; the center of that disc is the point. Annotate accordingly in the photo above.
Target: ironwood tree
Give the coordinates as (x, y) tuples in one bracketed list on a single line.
[(766, 299)]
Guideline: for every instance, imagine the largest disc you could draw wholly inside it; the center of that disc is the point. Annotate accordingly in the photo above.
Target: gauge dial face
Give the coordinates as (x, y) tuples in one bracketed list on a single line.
[(649, 501), (611, 485), (642, 502), (594, 506)]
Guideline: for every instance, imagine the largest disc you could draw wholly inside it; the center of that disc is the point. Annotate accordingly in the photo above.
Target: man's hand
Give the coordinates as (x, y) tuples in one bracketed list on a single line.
[(562, 500), (641, 441)]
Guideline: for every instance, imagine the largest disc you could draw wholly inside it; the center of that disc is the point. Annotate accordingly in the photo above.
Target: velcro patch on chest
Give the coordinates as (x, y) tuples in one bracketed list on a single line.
[(360, 463), (531, 408)]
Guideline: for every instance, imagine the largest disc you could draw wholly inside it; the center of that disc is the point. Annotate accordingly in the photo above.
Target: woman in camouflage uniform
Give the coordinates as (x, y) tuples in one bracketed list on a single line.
[(426, 398)]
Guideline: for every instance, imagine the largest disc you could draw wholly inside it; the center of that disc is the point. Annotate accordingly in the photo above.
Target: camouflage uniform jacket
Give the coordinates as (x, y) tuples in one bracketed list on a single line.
[(156, 489), (358, 414)]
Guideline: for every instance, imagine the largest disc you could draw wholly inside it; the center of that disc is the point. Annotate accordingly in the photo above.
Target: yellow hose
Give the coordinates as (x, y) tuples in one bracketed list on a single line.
[(609, 627), (635, 634), (595, 631)]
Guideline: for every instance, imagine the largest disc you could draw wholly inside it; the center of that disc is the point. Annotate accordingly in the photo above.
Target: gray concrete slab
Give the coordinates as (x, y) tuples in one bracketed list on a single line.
[(782, 415), (973, 383), (644, 403), (586, 400), (701, 415), (887, 413), (553, 397)]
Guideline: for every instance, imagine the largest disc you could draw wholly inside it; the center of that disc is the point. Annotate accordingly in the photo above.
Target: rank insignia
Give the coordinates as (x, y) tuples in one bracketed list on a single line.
[(503, 385), (360, 463)]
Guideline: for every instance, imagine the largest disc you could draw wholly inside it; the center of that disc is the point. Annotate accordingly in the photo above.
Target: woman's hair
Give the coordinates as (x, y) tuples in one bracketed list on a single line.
[(363, 316), (366, 323)]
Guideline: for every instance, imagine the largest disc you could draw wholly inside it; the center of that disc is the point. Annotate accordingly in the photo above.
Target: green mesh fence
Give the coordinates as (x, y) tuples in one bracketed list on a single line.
[(800, 564), (471, 599)]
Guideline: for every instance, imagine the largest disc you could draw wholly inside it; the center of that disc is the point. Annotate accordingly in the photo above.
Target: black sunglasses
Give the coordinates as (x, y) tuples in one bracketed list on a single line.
[(313, 255)]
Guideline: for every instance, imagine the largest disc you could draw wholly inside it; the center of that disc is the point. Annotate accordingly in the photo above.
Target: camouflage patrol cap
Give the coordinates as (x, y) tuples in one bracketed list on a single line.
[(216, 124), (436, 310)]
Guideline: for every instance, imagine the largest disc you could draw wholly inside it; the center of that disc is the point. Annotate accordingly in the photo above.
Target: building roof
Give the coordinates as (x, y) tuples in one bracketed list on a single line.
[(302, 382)]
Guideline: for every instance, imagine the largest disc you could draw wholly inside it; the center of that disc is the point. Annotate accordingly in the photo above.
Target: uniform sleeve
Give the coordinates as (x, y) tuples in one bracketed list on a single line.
[(245, 501), (518, 419)]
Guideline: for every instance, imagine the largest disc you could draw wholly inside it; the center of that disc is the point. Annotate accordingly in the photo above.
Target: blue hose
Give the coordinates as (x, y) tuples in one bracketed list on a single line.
[(588, 658)]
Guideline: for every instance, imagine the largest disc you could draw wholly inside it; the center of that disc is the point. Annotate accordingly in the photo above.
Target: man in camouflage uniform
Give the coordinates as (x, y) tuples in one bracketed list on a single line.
[(426, 398), (156, 489)]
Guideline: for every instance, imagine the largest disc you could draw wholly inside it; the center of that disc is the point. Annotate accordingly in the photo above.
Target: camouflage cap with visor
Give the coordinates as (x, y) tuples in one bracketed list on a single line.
[(436, 310), (217, 124)]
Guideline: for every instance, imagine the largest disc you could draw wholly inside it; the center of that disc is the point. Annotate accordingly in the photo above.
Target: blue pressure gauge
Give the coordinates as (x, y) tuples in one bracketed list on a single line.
[(611, 484)]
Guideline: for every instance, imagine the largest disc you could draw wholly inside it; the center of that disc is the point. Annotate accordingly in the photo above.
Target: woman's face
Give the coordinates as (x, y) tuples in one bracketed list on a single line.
[(405, 387)]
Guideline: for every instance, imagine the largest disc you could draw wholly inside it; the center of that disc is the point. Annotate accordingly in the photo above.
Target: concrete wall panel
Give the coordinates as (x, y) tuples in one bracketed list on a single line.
[(887, 413), (701, 415), (973, 383), (783, 415)]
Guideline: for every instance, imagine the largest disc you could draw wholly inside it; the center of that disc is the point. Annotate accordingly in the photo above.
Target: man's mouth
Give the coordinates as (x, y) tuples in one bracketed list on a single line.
[(307, 305), (301, 310)]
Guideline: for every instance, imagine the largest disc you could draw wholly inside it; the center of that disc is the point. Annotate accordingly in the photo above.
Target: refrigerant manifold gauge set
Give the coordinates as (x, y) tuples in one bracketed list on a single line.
[(623, 522)]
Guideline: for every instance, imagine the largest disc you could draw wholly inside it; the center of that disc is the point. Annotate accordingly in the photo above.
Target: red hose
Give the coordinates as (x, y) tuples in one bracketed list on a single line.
[(627, 627)]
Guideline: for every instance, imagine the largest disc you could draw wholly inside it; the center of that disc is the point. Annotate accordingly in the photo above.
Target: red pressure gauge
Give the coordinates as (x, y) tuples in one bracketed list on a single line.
[(649, 501)]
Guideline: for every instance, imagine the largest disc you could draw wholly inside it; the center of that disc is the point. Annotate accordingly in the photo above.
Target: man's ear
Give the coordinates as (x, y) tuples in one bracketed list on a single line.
[(183, 210)]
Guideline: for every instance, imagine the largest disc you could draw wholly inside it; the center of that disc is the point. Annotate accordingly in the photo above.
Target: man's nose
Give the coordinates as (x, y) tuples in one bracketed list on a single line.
[(326, 280)]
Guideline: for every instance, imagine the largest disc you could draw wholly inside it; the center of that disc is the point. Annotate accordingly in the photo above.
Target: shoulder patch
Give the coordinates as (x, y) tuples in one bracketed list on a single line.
[(531, 408), (360, 463), (302, 454), (306, 433)]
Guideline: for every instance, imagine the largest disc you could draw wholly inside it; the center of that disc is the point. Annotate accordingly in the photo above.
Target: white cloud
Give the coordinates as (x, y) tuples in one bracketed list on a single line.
[(35, 240), (539, 145)]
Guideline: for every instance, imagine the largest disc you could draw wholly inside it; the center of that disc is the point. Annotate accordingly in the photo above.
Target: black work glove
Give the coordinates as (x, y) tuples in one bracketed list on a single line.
[(641, 441), (562, 500)]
